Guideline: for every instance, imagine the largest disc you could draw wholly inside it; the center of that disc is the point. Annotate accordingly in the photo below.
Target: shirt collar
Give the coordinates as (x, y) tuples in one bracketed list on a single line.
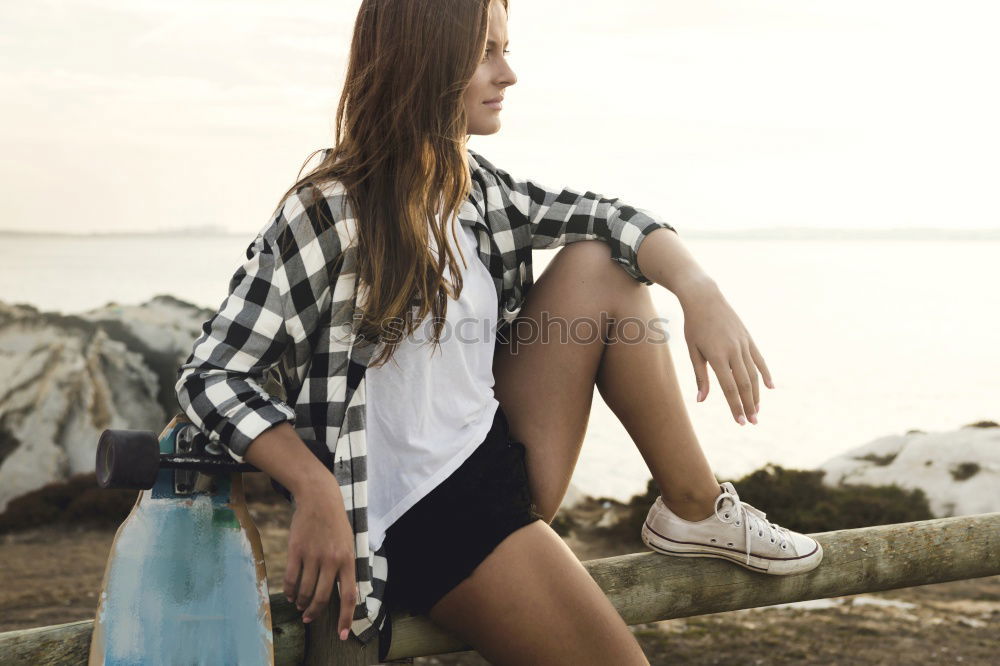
[(474, 164), (474, 207)]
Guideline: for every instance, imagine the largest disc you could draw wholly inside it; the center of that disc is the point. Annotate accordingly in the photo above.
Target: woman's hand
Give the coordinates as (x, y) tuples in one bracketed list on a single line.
[(715, 334), (321, 552)]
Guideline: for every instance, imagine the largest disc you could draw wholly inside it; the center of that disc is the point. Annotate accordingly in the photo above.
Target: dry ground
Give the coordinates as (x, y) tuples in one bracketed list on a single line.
[(52, 574)]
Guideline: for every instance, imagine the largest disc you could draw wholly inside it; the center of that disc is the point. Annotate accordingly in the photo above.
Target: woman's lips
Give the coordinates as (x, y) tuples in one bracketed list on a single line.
[(494, 105)]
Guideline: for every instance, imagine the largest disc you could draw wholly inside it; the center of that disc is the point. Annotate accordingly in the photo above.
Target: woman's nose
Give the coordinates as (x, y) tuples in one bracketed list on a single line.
[(509, 77)]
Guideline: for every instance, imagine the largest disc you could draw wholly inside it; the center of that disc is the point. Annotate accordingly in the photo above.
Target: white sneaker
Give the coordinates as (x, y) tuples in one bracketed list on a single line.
[(737, 532)]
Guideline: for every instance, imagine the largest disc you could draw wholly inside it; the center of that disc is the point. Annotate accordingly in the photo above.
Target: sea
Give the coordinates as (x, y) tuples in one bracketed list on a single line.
[(865, 336)]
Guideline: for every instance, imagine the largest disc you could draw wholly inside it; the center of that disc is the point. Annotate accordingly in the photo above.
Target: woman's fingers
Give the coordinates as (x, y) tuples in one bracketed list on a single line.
[(754, 384), (716, 335), (324, 586), (759, 360), (700, 372), (330, 568), (320, 551), (307, 586), (744, 404), (738, 386), (292, 571), (728, 385), (348, 598)]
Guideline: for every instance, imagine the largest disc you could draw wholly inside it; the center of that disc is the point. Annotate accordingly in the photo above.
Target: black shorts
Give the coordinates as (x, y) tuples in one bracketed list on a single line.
[(438, 542)]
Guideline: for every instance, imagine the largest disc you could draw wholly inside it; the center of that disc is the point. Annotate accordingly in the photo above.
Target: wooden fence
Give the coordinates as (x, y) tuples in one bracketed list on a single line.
[(644, 587)]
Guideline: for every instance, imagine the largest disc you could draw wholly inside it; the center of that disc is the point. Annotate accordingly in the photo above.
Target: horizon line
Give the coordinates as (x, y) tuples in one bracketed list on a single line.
[(749, 233)]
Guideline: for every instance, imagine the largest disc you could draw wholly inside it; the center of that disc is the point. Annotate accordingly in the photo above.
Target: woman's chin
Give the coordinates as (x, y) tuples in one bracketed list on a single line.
[(487, 127)]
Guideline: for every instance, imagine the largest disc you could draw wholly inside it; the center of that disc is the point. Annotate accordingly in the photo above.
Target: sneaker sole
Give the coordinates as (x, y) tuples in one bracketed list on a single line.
[(775, 568)]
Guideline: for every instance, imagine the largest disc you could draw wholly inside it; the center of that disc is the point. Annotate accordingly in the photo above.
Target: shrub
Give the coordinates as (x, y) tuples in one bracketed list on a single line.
[(964, 471), (77, 500), (881, 461), (563, 524), (80, 501), (798, 500)]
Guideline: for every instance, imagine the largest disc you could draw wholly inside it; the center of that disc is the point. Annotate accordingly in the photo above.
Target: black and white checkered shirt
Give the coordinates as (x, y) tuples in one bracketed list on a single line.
[(290, 310)]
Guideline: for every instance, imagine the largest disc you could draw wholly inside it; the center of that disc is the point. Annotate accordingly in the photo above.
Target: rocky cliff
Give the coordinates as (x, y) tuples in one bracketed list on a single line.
[(959, 470), (65, 378)]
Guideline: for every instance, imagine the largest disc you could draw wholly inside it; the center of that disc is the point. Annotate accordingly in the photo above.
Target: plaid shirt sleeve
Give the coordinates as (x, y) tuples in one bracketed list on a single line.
[(561, 216), (275, 303)]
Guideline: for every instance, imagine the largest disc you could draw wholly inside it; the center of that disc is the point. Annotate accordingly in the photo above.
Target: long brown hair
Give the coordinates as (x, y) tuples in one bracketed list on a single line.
[(400, 155)]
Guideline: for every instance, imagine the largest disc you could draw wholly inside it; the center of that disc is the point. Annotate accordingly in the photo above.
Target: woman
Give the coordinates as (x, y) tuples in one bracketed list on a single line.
[(425, 435)]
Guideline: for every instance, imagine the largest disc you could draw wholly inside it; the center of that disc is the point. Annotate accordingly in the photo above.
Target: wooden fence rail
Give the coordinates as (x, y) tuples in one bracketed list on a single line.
[(644, 587)]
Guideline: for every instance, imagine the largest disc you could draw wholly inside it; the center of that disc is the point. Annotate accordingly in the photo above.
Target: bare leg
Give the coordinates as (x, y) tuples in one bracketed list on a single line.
[(531, 601), (546, 386), (551, 611)]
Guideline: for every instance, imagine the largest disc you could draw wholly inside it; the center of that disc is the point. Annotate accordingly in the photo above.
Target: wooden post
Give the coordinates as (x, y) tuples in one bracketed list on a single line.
[(644, 587), (649, 587)]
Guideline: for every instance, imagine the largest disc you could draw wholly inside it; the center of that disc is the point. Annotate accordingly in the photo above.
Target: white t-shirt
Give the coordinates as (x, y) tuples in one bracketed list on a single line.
[(429, 408)]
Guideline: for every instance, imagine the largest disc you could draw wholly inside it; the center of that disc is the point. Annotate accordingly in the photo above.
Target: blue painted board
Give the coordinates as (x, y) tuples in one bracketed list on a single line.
[(185, 581)]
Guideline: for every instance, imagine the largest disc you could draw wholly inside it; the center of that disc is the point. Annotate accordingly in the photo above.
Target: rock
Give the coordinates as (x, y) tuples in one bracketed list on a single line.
[(959, 470), (572, 497), (69, 377), (610, 518)]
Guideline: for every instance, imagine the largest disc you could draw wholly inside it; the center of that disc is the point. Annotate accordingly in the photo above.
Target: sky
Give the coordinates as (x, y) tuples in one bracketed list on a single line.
[(142, 115)]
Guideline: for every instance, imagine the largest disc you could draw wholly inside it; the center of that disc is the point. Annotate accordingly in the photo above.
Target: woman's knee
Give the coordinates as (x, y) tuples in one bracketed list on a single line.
[(591, 260)]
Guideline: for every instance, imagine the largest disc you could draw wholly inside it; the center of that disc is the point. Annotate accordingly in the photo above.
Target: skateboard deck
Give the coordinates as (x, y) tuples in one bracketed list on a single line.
[(185, 581)]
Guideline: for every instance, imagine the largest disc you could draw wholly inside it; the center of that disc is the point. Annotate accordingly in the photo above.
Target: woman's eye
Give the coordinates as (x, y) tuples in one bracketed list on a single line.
[(487, 55)]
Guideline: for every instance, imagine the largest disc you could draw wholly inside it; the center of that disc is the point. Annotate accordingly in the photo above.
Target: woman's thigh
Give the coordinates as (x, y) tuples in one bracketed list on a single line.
[(531, 601), (545, 377)]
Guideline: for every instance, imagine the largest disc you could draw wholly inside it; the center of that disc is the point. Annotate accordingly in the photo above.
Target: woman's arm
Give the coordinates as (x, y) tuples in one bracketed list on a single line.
[(713, 330), (320, 538), (219, 385), (277, 299), (715, 334), (560, 216), (668, 263)]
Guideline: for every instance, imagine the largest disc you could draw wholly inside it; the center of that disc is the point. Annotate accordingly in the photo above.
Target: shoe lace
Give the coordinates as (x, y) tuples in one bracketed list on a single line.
[(753, 520)]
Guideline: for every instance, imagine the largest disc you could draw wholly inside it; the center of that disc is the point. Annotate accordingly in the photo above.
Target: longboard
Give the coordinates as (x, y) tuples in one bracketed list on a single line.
[(185, 581)]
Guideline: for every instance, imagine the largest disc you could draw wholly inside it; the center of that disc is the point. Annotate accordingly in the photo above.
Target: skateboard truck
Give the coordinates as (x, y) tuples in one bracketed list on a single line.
[(132, 459)]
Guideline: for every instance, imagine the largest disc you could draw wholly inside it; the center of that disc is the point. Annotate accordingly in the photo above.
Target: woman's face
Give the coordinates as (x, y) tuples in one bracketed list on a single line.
[(492, 76)]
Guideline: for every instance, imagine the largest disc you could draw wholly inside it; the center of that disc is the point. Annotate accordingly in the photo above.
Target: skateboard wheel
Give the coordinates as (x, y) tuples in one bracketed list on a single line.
[(127, 459)]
